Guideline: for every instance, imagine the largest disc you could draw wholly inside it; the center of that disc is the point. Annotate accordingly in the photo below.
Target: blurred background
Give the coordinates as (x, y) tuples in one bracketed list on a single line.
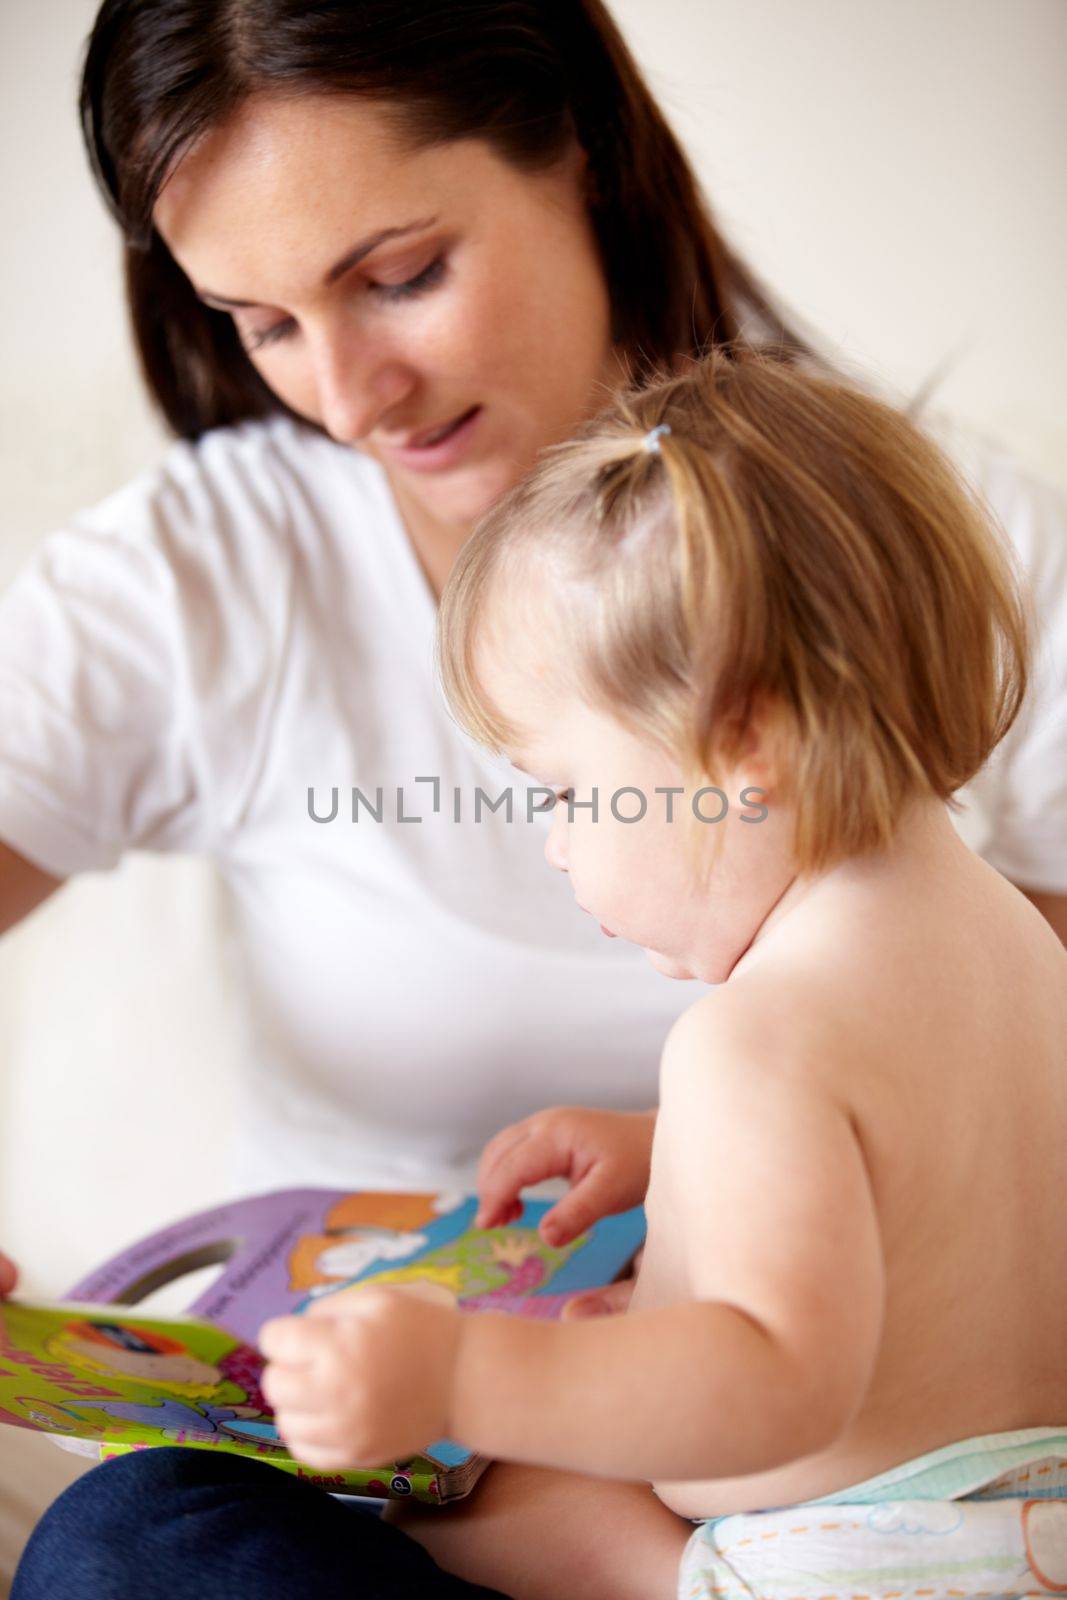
[(896, 172)]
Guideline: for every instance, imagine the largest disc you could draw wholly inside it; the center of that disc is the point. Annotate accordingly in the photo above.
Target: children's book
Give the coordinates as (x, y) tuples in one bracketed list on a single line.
[(104, 1380)]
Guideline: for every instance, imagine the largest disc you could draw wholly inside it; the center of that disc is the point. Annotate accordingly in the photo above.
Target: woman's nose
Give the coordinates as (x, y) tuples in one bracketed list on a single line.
[(356, 384), (556, 843)]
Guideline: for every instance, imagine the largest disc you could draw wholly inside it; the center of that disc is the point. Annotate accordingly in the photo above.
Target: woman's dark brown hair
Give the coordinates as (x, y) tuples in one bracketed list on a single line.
[(527, 76)]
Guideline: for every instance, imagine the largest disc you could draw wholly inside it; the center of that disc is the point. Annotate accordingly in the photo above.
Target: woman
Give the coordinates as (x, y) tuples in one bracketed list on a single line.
[(377, 258)]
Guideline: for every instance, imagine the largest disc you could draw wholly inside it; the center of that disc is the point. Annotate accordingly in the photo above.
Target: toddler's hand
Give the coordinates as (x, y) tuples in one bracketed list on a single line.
[(363, 1378), (610, 1301), (604, 1154)]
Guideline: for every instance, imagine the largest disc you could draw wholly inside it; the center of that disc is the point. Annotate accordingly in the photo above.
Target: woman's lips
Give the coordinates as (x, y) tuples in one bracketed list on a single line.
[(440, 452)]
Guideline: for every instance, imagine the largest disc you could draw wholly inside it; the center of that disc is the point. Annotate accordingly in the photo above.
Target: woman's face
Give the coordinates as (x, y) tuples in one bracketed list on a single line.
[(387, 294)]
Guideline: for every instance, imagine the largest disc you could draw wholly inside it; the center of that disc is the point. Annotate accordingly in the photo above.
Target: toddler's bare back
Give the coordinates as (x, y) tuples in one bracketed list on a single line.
[(942, 995)]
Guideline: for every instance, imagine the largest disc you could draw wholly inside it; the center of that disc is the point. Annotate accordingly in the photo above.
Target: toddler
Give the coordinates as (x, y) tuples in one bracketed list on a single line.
[(754, 634)]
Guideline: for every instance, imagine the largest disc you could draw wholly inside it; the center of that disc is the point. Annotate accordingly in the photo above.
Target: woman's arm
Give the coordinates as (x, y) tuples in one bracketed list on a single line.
[(1053, 907), (22, 887)]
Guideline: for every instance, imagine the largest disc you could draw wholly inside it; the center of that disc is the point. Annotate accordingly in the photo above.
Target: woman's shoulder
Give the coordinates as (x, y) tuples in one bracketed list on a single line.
[(1028, 506), (210, 553), (1017, 805), (224, 531), (243, 484)]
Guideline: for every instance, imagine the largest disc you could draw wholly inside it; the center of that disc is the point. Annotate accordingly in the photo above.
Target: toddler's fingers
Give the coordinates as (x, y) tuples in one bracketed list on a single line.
[(339, 1302), (323, 1458), (498, 1148), (302, 1429), (498, 1215), (591, 1198), (528, 1160), (288, 1389), (590, 1303), (609, 1301), (293, 1341)]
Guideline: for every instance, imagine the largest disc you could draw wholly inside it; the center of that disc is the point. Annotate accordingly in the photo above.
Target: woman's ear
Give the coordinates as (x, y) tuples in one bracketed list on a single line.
[(582, 166)]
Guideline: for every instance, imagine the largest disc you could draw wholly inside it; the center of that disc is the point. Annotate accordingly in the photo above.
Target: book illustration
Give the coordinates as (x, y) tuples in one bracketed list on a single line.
[(278, 1251), (105, 1373), (98, 1374)]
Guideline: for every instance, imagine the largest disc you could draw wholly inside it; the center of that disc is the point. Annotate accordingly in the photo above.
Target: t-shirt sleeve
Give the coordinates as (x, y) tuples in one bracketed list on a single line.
[(1023, 791), (133, 655), (95, 755)]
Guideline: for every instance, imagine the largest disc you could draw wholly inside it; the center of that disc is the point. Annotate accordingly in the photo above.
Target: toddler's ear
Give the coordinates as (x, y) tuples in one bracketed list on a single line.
[(759, 752)]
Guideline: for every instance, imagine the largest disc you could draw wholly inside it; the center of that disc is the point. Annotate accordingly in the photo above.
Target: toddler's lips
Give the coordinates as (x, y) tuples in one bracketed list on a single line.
[(605, 931)]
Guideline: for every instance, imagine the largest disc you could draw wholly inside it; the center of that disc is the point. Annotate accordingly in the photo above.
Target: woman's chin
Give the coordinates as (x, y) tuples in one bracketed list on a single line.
[(464, 493)]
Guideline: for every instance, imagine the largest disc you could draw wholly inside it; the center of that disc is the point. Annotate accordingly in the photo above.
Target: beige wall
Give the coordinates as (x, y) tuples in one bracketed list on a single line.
[(895, 170)]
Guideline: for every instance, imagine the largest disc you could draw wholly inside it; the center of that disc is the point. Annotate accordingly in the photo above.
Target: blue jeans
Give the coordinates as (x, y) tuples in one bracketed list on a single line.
[(159, 1524)]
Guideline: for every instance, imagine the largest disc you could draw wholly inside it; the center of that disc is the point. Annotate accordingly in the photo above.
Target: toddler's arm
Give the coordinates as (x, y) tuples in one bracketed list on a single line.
[(761, 1190), (759, 1176)]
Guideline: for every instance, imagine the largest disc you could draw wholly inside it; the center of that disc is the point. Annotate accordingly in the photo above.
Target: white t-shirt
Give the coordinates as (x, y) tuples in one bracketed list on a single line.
[(187, 660)]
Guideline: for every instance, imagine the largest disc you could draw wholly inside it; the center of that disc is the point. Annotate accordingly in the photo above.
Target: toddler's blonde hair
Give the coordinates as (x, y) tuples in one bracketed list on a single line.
[(792, 547)]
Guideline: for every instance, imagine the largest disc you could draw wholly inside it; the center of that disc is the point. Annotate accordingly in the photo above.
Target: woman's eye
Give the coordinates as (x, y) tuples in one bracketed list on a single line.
[(280, 330), (566, 795), (421, 283), (428, 278)]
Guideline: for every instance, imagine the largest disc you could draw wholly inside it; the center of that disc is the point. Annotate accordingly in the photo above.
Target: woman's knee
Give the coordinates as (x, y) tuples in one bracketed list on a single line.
[(166, 1523), (163, 1522)]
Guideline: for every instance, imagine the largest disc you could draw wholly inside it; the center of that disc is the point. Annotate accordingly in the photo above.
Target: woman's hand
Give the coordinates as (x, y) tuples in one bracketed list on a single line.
[(605, 1155), (364, 1377), (8, 1275)]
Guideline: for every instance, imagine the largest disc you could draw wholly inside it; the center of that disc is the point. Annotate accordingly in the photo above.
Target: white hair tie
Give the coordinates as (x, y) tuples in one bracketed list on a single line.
[(651, 440)]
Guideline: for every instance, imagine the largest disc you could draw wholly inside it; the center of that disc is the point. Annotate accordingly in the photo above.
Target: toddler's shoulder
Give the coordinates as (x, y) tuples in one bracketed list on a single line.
[(763, 1029)]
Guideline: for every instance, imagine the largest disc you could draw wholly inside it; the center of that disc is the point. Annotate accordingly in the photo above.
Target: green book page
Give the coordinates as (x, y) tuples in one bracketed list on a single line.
[(125, 1381)]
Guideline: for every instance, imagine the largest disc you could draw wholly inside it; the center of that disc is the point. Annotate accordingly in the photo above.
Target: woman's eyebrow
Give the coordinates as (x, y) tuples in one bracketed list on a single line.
[(339, 268)]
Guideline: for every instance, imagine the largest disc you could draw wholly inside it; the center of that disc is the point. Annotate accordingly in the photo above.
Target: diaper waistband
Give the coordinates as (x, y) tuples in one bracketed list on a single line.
[(1030, 1462)]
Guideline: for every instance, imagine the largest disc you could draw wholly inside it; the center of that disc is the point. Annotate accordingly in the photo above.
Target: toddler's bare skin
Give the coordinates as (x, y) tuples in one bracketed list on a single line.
[(923, 994), (941, 1035), (537, 1534)]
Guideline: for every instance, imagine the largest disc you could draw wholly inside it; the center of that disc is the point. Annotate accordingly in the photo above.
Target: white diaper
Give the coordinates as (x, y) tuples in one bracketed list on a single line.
[(985, 1519)]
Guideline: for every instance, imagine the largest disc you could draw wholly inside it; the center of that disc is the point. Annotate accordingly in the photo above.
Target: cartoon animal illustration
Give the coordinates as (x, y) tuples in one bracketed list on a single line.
[(361, 1230), (200, 1399), (133, 1350), (175, 1419), (485, 1268)]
